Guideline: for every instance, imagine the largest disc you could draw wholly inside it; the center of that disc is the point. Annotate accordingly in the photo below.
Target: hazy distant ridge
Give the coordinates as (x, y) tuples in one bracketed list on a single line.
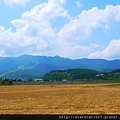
[(28, 66)]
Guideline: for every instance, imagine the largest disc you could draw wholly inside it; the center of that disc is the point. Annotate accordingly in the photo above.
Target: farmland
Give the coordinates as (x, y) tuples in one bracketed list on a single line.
[(60, 99)]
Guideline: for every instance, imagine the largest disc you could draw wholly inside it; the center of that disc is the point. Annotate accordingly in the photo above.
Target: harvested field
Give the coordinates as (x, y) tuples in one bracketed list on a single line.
[(60, 99)]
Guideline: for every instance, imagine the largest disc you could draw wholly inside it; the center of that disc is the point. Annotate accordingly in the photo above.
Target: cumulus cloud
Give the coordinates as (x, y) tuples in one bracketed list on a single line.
[(112, 51), (34, 33), (16, 2), (2, 28), (83, 25), (77, 50)]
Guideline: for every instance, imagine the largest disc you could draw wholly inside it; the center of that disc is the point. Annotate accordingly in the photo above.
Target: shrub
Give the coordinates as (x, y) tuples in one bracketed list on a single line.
[(9, 82)]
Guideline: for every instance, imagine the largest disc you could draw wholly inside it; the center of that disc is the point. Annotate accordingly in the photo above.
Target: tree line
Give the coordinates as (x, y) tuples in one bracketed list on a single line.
[(70, 74), (81, 74), (73, 74), (5, 81)]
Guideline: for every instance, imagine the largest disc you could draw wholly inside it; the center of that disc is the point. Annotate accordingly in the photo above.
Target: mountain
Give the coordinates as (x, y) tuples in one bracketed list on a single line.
[(28, 66)]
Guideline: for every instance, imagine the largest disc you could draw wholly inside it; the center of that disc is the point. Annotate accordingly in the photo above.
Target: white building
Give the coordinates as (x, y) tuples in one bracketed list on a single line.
[(100, 75), (38, 80), (64, 80)]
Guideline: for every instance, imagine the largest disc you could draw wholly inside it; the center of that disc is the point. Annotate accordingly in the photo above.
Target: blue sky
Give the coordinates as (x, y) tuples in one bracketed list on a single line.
[(69, 28)]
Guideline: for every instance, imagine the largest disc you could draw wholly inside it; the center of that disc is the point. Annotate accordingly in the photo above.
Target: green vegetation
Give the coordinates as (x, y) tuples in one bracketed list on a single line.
[(28, 66), (23, 70), (6, 82), (116, 71), (114, 75), (114, 84), (82, 74), (70, 74)]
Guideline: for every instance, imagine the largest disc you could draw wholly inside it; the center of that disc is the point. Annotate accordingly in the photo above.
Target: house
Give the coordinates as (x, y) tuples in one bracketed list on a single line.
[(64, 80), (98, 75), (38, 80)]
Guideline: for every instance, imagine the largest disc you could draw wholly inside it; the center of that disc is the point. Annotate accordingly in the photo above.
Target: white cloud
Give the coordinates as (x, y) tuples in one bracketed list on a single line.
[(5, 37), (34, 33), (77, 51), (78, 4), (83, 25), (16, 2), (42, 13), (2, 28), (112, 51), (57, 1), (2, 53)]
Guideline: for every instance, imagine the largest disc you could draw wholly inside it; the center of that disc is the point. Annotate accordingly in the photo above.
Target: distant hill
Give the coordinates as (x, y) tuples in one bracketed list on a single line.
[(28, 66)]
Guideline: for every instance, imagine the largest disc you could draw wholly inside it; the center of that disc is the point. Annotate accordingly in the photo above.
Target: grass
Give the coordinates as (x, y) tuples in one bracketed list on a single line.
[(114, 84), (60, 99)]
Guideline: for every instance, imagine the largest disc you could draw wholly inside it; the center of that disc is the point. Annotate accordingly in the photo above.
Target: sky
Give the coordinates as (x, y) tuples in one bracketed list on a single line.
[(68, 28)]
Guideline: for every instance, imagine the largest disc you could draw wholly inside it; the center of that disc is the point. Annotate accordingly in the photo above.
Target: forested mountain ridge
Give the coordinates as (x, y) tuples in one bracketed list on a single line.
[(28, 66), (80, 74), (70, 74)]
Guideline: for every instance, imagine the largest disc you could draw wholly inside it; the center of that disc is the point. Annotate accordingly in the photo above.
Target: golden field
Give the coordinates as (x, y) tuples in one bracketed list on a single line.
[(60, 99)]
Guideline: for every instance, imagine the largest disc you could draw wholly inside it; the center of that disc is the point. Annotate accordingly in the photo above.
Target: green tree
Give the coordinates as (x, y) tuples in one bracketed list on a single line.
[(9, 82)]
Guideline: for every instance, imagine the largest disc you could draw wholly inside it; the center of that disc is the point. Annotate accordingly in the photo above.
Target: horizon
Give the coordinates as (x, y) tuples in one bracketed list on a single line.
[(70, 29), (58, 56)]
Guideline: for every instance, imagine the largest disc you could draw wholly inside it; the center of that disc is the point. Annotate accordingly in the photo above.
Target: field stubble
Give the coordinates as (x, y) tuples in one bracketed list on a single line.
[(60, 99)]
